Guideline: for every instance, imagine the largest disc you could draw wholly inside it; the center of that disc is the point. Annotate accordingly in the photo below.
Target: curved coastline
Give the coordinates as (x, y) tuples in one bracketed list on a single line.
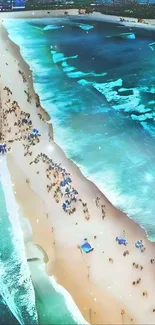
[(74, 166), (47, 118), (23, 305)]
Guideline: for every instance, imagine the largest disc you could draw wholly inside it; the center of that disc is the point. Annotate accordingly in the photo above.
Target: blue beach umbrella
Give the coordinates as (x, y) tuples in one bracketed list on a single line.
[(3, 148), (87, 248), (62, 183), (139, 244), (121, 241), (36, 132)]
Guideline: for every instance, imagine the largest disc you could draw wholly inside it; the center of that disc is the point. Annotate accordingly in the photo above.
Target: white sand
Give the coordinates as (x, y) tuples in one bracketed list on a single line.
[(101, 289), (128, 21)]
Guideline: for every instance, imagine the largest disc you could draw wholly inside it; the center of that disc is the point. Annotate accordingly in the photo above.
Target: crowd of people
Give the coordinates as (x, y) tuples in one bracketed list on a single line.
[(59, 181)]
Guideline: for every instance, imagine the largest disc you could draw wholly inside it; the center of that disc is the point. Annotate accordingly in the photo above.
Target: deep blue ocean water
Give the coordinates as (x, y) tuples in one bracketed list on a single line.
[(99, 88)]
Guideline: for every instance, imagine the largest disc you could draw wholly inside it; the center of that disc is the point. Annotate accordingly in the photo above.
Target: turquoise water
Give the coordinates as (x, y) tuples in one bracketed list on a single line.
[(97, 84), (17, 301), (6, 315), (100, 97), (53, 302), (27, 294)]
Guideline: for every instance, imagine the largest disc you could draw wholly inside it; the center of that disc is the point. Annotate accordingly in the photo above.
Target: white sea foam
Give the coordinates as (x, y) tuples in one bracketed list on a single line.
[(84, 82), (52, 27), (126, 103), (152, 46), (111, 187), (80, 74), (107, 89), (26, 229), (142, 117), (124, 202), (86, 27), (149, 128), (60, 57), (77, 316), (123, 36), (53, 52), (69, 69), (65, 64), (16, 286)]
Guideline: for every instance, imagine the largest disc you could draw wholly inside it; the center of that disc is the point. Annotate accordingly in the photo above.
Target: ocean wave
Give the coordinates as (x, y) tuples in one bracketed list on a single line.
[(52, 27), (15, 282), (84, 82), (123, 36), (124, 99), (86, 27), (142, 117), (69, 69), (128, 149), (108, 89), (66, 67), (54, 304), (152, 46), (53, 52), (124, 202), (149, 128), (70, 304), (80, 74), (59, 57)]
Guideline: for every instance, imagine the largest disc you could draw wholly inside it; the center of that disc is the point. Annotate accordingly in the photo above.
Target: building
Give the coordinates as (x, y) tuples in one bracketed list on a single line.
[(9, 5), (5, 5)]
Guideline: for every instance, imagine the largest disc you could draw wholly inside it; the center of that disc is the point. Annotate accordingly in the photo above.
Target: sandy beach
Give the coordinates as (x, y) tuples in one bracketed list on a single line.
[(126, 21), (113, 284)]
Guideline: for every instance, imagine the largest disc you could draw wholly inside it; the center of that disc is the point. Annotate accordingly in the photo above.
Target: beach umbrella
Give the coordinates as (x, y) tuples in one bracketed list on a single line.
[(122, 241), (36, 132), (62, 183), (86, 247), (3, 148), (64, 206), (139, 244)]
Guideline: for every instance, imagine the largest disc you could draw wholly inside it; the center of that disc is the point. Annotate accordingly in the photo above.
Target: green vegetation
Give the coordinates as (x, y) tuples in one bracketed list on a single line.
[(135, 10), (123, 8)]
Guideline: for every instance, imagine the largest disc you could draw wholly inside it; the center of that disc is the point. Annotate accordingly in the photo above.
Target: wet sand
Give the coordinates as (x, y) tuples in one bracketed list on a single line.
[(126, 21), (101, 282)]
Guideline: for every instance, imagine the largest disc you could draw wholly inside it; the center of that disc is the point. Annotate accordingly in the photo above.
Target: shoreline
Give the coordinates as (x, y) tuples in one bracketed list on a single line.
[(47, 120), (128, 223), (122, 21)]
